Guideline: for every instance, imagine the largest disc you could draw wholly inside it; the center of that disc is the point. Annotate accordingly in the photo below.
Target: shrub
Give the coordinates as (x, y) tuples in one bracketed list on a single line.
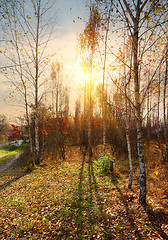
[(102, 164)]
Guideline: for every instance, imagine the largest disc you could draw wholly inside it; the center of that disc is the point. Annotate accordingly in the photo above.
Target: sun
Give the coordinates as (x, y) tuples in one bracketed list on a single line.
[(84, 74), (81, 72)]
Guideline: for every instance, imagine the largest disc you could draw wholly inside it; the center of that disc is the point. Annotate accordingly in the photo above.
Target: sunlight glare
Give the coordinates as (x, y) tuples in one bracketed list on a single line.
[(81, 72)]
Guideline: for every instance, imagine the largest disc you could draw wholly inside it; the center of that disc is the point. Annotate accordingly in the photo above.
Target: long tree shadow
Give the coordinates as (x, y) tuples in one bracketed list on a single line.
[(156, 219), (80, 200), (130, 213), (70, 216), (107, 232), (16, 171), (87, 206), (6, 184)]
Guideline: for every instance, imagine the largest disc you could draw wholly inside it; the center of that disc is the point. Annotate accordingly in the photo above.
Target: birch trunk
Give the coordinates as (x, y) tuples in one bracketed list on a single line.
[(127, 117), (84, 118), (90, 111), (128, 140), (140, 147), (37, 149), (164, 104), (129, 155), (148, 114), (25, 99), (104, 72), (158, 112), (29, 134)]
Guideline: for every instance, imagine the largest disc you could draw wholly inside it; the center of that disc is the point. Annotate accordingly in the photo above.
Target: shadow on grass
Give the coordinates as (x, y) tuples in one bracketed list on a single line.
[(93, 182), (83, 217), (6, 184), (157, 218), (129, 213), (90, 205), (78, 221), (14, 172)]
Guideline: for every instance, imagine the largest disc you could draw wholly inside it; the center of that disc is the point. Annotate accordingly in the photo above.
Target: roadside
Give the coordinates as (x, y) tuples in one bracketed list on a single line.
[(19, 142), (13, 163), (13, 170), (9, 153), (8, 164)]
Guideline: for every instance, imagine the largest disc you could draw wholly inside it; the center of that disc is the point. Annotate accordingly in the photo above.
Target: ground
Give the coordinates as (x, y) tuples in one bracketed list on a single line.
[(72, 200)]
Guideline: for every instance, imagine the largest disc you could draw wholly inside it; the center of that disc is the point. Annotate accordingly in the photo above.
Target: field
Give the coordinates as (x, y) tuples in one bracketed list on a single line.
[(74, 200)]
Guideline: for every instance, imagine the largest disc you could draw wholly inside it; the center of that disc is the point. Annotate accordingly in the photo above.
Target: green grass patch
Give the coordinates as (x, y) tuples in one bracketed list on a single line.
[(2, 152), (10, 148), (9, 151), (8, 157)]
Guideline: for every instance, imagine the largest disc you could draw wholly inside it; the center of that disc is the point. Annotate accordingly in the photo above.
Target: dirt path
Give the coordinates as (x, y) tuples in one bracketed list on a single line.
[(3, 155), (8, 164)]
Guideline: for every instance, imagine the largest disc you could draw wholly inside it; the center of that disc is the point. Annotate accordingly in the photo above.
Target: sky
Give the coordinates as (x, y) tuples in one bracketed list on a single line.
[(66, 30)]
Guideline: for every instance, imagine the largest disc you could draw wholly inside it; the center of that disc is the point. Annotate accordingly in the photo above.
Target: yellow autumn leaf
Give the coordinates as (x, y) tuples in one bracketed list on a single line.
[(156, 89)]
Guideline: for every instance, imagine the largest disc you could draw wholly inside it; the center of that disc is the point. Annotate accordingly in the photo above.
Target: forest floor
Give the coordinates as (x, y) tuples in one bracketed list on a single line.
[(72, 200)]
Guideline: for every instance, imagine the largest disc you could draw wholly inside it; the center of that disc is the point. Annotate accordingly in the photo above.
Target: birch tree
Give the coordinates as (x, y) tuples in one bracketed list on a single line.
[(135, 15), (142, 19), (105, 22), (89, 40), (164, 99), (29, 34)]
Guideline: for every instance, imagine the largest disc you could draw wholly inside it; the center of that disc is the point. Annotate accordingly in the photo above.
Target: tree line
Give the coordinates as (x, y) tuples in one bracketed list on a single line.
[(126, 101)]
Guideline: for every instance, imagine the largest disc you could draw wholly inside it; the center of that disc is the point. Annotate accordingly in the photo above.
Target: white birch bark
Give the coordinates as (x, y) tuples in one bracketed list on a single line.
[(164, 102), (128, 139), (135, 37), (37, 148), (104, 72), (140, 147), (158, 111)]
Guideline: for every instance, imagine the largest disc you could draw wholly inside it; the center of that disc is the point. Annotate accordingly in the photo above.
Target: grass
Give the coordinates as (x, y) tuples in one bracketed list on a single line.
[(71, 200), (9, 151), (2, 152)]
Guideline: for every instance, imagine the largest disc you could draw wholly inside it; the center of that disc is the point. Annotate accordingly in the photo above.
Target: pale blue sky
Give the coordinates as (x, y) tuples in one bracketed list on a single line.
[(64, 44)]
